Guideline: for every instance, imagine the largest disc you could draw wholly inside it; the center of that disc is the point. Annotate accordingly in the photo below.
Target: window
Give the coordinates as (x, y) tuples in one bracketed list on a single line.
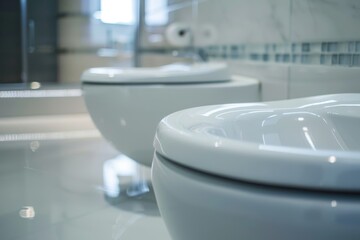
[(117, 11), (123, 12)]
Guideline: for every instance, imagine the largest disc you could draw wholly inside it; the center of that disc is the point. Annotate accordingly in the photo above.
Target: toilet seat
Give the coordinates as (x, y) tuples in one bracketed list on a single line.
[(169, 74), (309, 143)]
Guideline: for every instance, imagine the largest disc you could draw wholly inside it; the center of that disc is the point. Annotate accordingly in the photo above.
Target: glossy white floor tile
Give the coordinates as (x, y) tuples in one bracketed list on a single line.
[(72, 187)]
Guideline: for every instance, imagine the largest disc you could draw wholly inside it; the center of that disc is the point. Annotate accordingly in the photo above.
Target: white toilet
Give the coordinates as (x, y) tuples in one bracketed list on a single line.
[(279, 170), (127, 104)]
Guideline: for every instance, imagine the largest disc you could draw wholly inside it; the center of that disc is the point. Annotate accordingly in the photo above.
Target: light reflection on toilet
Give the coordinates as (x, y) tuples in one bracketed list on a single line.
[(122, 172)]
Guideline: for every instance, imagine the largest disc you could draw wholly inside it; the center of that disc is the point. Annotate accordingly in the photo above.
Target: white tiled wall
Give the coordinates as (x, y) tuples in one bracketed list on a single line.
[(325, 20), (286, 22), (313, 80), (274, 78), (246, 21)]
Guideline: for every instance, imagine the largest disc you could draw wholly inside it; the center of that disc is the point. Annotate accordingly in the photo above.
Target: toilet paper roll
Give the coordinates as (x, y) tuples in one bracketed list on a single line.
[(179, 34)]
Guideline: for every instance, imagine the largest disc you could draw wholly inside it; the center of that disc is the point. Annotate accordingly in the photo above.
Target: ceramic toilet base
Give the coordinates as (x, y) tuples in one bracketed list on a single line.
[(127, 115), (200, 206)]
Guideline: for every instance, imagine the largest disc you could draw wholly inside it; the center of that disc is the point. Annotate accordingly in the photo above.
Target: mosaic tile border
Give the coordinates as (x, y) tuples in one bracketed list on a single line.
[(344, 54)]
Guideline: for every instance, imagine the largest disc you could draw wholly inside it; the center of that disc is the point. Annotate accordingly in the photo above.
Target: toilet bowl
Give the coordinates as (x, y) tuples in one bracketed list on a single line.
[(127, 104), (278, 170)]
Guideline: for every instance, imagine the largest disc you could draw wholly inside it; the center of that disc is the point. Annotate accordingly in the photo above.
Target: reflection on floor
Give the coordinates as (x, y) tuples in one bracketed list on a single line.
[(74, 188), (127, 186)]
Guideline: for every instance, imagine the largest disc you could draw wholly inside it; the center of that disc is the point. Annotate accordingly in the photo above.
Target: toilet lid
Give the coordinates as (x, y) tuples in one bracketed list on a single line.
[(174, 73), (310, 143)]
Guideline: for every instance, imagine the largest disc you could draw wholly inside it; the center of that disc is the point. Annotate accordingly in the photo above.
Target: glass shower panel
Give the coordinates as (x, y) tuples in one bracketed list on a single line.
[(28, 41), (41, 40), (10, 42)]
